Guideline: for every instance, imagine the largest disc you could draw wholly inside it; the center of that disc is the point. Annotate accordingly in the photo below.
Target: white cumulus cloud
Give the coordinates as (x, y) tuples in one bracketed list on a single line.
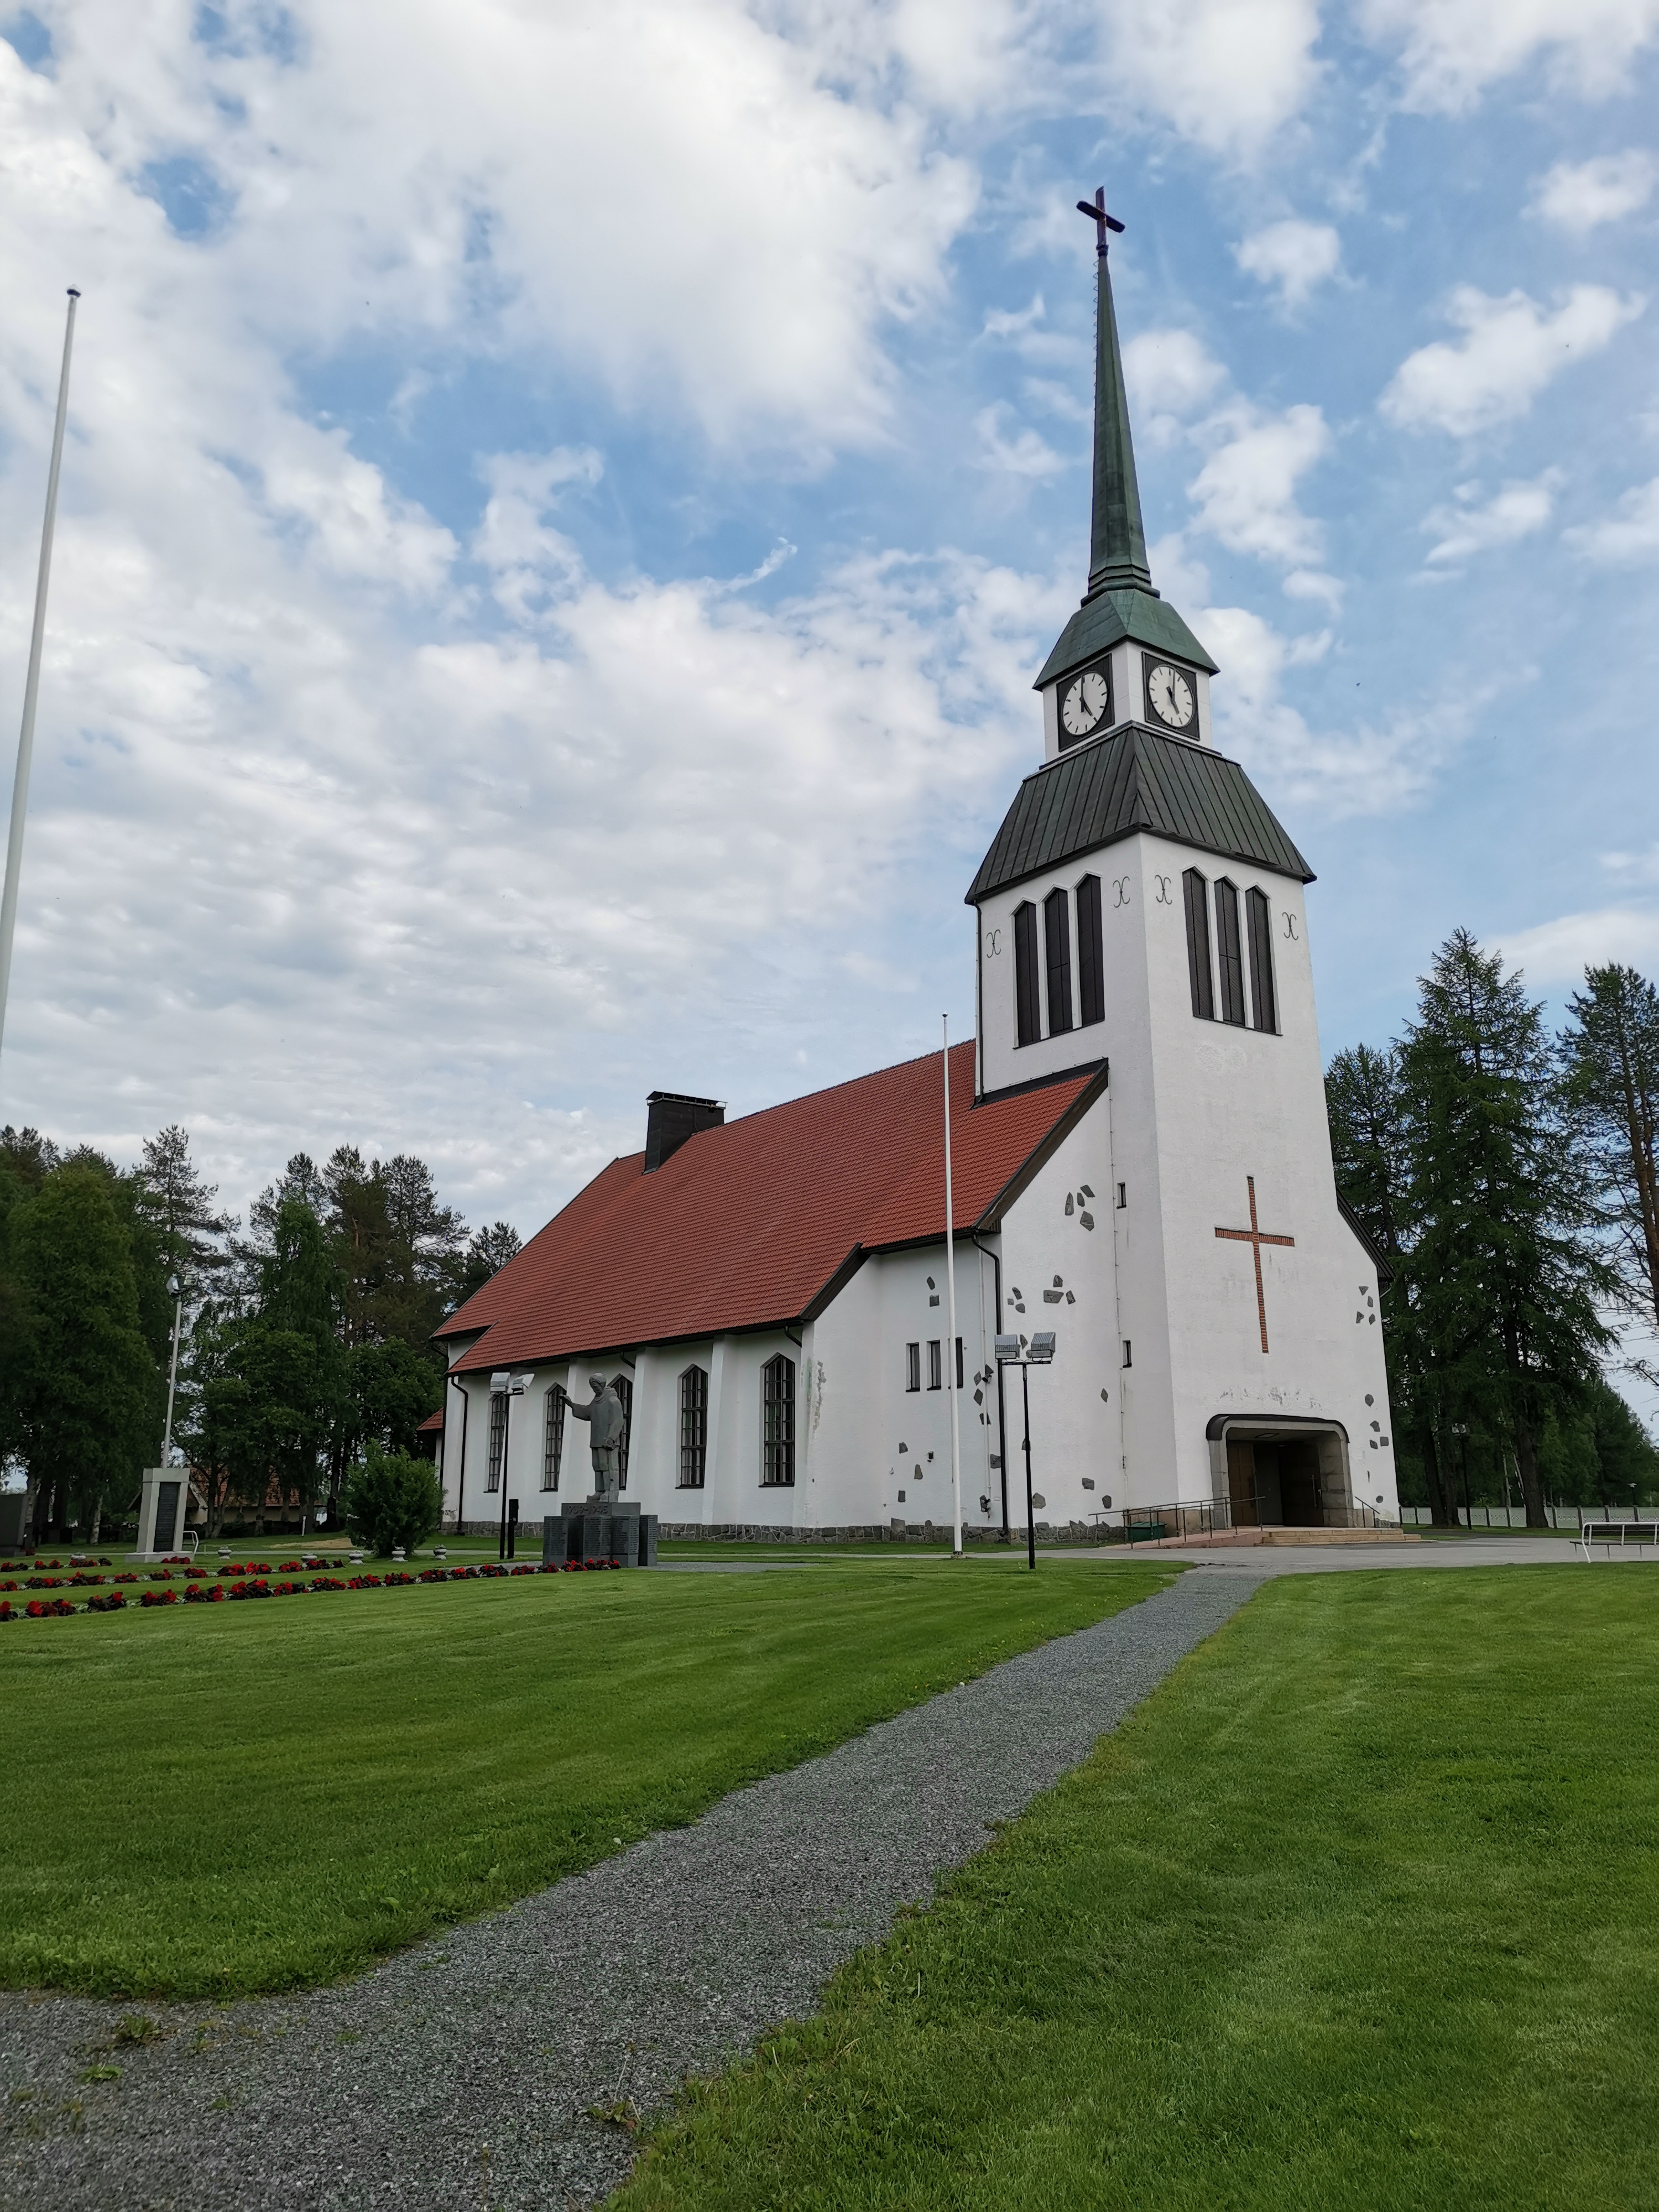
[(1471, 525), (1226, 74), (1245, 494), (1631, 533), (1451, 50), (1577, 195), (1296, 257), (1510, 350)]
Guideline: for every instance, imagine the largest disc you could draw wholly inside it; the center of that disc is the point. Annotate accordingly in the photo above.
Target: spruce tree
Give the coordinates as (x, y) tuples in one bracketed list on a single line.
[(1508, 1278), (1610, 1049)]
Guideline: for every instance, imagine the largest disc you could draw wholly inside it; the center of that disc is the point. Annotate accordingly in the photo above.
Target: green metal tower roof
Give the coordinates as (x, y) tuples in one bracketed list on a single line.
[(1120, 602)]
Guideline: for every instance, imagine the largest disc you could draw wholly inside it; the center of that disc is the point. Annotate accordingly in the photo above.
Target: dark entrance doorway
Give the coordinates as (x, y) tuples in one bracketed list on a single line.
[(1280, 1482)]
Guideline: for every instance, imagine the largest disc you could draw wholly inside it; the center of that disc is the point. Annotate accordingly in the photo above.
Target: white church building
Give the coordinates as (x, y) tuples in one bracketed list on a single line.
[(1140, 1163)]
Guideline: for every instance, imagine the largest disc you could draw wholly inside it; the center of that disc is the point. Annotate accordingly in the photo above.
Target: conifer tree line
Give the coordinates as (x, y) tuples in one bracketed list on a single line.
[(1509, 1178), (307, 1336)]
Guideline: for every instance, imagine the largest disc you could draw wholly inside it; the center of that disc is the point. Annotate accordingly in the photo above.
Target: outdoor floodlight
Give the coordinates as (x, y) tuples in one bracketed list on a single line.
[(1007, 1347), (1042, 1347), (173, 1286)]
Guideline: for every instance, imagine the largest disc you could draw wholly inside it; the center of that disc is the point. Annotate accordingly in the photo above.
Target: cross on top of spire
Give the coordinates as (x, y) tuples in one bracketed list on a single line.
[(1096, 211)]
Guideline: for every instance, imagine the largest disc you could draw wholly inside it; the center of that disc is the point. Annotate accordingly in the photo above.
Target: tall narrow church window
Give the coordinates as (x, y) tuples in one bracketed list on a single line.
[(553, 1437), (935, 1366), (497, 1437), (778, 1422), (694, 1428), (1197, 892), (1263, 1004), (1028, 1021), (1057, 944), (959, 1382), (624, 1390), (912, 1367), (1232, 960), (1090, 954)]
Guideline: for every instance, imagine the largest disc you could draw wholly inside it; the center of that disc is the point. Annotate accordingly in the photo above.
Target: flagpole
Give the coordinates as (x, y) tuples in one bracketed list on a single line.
[(950, 1288), (19, 793)]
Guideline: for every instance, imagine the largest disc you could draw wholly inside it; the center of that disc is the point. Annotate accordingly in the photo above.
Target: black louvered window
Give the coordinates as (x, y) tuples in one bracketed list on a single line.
[(624, 1390), (694, 1428), (935, 1365), (1057, 944), (1264, 1007), (912, 1367), (497, 1438), (1090, 954), (778, 1422), (1197, 891), (1028, 1021), (553, 1437), (1227, 944)]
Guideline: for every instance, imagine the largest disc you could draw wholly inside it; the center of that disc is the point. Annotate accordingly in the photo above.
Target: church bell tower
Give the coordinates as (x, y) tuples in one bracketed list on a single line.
[(1142, 917)]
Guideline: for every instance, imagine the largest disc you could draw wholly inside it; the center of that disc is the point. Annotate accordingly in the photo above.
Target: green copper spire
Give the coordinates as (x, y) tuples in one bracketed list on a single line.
[(1117, 546)]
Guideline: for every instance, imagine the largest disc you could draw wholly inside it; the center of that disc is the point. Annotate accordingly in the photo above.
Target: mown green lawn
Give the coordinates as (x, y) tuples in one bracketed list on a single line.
[(1361, 1910), (261, 1795)]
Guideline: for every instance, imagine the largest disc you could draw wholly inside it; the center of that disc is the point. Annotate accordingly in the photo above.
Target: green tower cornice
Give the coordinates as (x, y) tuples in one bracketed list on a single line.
[(1117, 540)]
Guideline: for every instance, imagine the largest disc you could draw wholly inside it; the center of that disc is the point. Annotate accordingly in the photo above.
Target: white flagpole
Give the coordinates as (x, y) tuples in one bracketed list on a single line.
[(19, 793), (950, 1288)]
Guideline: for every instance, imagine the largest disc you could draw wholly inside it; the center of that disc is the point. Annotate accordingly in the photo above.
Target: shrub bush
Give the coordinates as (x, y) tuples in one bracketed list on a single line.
[(392, 1499)]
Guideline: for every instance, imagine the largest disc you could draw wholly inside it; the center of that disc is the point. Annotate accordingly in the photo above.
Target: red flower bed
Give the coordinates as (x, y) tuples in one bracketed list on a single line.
[(326, 1583), (214, 1594), (395, 1578), (43, 1582), (127, 1578), (39, 1609), (158, 1597), (364, 1582), (78, 1581), (112, 1603)]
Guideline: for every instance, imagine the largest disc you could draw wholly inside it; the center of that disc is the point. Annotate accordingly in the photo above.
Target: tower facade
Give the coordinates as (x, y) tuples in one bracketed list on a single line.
[(1141, 912)]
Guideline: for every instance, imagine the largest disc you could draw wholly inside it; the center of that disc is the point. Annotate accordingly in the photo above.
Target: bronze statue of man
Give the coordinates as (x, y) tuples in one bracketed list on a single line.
[(606, 1425)]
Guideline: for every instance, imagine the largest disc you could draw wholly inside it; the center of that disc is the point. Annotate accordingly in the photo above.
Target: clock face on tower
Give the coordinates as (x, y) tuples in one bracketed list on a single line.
[(1169, 694), (1083, 705)]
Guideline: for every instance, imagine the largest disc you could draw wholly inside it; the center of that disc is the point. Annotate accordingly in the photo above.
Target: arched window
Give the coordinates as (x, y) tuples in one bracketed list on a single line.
[(778, 1423), (694, 1428), (624, 1390), (1264, 1008), (1090, 953), (1232, 958), (1057, 942), (1196, 891), (553, 1441), (1028, 1020)]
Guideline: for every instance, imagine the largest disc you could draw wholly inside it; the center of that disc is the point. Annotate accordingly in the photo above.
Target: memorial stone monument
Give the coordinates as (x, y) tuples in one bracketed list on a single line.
[(163, 1504), (605, 1525)]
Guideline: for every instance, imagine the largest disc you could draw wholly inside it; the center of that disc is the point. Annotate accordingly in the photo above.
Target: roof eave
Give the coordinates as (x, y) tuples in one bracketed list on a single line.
[(1043, 1151)]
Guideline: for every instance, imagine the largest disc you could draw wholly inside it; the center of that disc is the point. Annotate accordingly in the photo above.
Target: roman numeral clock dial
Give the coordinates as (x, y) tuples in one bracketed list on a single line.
[(1084, 704)]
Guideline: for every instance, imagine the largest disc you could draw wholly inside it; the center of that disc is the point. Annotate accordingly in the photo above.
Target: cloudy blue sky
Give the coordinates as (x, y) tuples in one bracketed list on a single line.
[(565, 503)]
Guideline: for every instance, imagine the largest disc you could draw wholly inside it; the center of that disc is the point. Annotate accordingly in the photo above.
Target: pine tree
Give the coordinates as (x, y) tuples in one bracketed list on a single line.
[(179, 1207)]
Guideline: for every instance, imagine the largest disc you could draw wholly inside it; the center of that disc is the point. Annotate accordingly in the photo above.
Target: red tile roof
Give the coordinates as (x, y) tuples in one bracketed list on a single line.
[(745, 1225), (432, 1421)]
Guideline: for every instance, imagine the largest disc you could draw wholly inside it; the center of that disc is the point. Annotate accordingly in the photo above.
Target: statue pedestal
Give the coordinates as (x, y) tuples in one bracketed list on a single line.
[(600, 1528)]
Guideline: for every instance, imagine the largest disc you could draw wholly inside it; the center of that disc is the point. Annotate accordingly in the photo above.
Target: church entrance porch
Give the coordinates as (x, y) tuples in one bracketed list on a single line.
[(1281, 1475)]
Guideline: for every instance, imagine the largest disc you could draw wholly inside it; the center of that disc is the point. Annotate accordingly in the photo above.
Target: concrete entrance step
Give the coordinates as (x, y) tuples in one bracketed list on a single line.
[(1238, 1540)]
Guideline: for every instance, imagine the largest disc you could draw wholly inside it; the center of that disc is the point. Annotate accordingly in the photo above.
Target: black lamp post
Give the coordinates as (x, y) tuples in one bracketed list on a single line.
[(508, 1387), (1017, 1351)]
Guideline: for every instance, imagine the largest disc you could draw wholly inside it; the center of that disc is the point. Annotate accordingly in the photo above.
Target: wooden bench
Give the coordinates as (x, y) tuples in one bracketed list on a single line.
[(1618, 1535)]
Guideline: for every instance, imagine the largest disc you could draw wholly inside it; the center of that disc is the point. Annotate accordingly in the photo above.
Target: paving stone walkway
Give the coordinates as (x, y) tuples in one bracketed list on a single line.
[(462, 2073)]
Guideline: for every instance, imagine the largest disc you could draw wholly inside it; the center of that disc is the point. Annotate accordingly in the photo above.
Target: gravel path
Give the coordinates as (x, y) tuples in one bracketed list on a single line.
[(461, 2073)]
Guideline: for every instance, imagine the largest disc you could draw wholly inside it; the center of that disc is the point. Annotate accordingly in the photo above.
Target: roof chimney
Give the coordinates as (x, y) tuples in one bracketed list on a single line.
[(671, 1118)]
